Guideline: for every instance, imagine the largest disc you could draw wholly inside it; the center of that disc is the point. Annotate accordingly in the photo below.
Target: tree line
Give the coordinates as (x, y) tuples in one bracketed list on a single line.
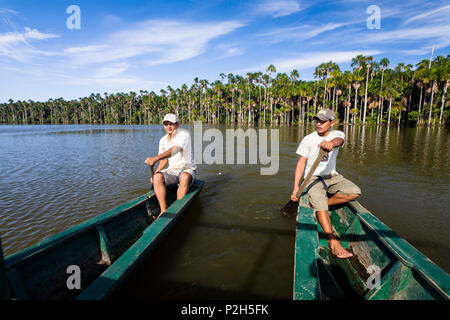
[(371, 93)]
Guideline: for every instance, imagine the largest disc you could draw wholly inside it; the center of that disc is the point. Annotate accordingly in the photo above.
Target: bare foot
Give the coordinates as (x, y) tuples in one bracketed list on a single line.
[(338, 250), (156, 217)]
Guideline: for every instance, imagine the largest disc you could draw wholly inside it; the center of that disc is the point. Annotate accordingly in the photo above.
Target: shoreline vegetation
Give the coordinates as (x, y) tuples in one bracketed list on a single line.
[(372, 94)]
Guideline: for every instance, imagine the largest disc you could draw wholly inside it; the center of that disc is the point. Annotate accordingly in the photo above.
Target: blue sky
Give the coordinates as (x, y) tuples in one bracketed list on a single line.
[(130, 45)]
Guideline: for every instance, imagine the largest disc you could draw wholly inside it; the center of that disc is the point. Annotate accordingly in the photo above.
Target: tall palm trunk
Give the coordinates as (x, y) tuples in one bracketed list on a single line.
[(431, 102), (260, 102), (347, 112), (337, 102), (389, 112), (271, 111), (443, 101), (356, 103), (232, 107), (315, 102), (420, 104), (380, 115), (365, 97)]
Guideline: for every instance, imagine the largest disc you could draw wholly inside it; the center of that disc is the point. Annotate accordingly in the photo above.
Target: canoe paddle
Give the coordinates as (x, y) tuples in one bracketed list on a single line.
[(291, 208), (152, 173)]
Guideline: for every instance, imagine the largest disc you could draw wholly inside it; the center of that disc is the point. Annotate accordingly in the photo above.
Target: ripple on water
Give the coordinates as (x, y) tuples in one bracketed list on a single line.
[(54, 177)]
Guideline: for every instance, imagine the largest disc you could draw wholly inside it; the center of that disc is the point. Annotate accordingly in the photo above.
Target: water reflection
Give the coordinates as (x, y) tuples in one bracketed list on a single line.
[(54, 177)]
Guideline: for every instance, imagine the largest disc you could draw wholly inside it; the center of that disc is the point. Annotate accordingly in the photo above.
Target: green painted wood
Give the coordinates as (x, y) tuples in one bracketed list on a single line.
[(4, 289), (409, 255), (405, 272), (39, 272), (44, 275), (66, 235), (328, 286), (105, 245), (384, 292), (118, 272), (306, 276), (16, 285)]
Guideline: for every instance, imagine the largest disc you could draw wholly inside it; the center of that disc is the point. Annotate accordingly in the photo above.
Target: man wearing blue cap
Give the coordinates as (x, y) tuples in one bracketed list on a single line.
[(175, 148)]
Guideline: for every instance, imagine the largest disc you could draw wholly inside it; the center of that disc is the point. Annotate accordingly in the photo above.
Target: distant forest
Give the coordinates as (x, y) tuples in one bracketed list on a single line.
[(372, 93)]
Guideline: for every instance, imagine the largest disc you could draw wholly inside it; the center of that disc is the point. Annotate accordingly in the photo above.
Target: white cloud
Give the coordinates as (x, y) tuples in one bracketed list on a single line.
[(112, 70), (303, 32), (11, 38), (312, 59), (227, 50), (232, 52), (278, 8), (5, 17), (442, 13), (17, 45), (425, 50), (115, 61), (76, 50), (410, 34), (155, 41)]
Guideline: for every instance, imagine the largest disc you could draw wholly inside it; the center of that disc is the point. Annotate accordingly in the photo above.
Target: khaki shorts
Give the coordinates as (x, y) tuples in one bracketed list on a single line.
[(172, 176), (317, 193)]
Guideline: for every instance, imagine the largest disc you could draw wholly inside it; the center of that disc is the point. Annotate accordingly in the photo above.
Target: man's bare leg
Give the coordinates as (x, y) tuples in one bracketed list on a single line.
[(183, 188), (336, 248), (160, 190), (341, 198)]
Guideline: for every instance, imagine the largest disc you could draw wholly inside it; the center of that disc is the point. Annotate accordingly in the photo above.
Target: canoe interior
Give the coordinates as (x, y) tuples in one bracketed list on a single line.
[(404, 272), (40, 272)]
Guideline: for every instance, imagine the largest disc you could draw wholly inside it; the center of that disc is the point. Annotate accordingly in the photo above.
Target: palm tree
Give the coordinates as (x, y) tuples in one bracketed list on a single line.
[(363, 63), (271, 69), (442, 66)]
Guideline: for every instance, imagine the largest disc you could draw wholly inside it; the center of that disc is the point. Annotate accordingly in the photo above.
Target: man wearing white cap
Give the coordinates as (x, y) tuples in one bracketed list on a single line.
[(325, 178), (174, 148)]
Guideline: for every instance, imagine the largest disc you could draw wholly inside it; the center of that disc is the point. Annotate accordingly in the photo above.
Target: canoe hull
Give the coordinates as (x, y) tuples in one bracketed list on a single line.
[(108, 247), (384, 266)]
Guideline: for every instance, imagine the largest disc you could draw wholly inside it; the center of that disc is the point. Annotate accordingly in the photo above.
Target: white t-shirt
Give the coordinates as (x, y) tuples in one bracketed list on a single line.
[(309, 148), (181, 160)]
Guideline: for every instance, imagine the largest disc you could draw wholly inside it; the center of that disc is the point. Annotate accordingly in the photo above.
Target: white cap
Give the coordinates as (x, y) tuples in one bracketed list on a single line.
[(170, 117)]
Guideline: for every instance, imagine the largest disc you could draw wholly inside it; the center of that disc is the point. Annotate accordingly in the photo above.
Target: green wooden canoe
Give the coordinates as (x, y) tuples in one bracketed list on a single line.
[(107, 249), (384, 266)]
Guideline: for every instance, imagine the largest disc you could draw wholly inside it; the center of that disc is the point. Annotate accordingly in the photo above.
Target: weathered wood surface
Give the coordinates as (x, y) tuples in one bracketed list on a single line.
[(404, 272)]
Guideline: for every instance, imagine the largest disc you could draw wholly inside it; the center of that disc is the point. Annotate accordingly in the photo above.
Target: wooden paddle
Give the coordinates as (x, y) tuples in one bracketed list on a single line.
[(152, 173), (291, 208)]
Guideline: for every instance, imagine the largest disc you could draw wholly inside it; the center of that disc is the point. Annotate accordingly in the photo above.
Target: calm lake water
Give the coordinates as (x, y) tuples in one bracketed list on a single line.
[(232, 242)]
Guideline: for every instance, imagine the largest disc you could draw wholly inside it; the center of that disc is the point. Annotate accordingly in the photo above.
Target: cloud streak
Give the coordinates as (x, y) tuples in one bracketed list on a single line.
[(410, 34), (310, 60), (302, 32), (5, 17), (278, 8), (17, 45), (442, 13), (155, 42)]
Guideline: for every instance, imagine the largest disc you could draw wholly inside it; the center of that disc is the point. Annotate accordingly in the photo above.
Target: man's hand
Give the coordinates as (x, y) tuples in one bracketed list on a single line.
[(294, 193), (151, 161), (326, 145)]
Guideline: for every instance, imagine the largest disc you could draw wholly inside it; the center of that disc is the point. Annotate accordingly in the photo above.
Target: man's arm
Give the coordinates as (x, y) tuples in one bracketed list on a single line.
[(161, 165), (165, 155), (169, 153), (299, 169), (330, 145)]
